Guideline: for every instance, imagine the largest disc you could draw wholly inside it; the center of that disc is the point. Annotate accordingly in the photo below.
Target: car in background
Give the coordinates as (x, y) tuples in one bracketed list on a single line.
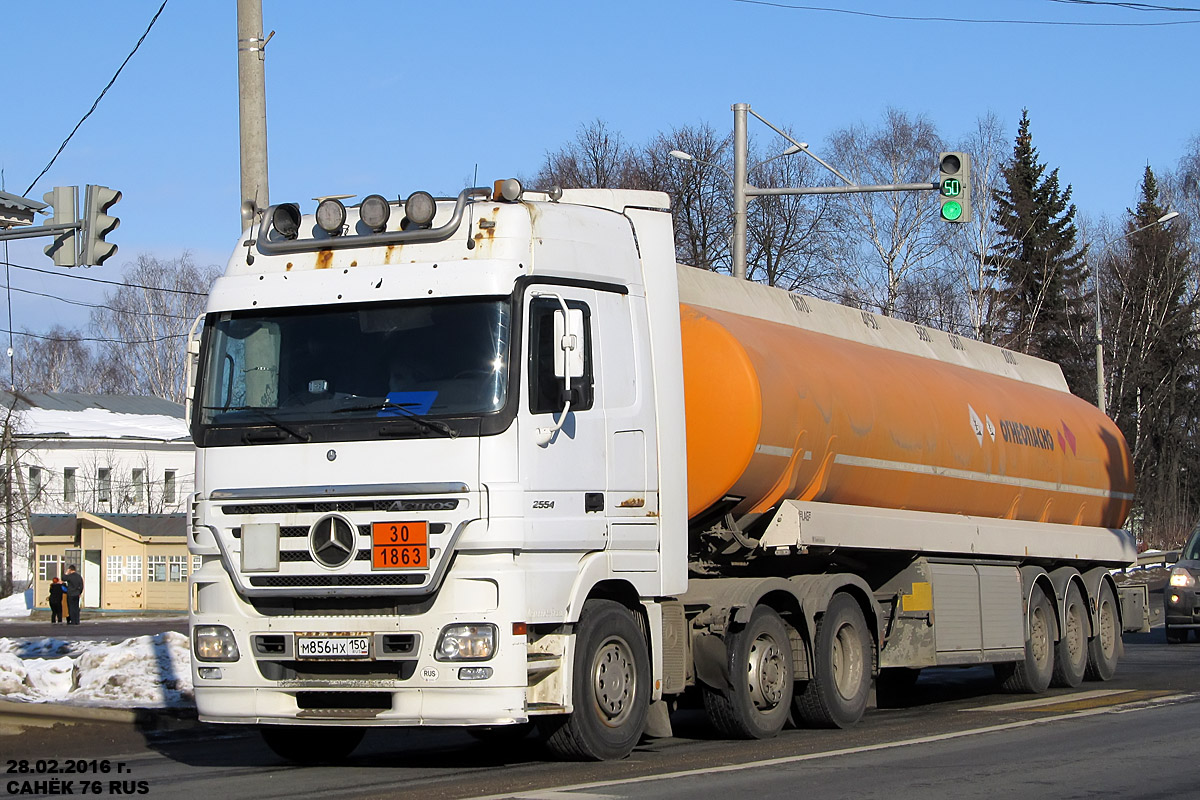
[(1181, 598)]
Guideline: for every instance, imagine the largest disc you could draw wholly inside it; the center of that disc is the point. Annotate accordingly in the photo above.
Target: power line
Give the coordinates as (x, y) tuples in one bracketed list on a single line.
[(97, 305), (103, 92), (795, 7), (1129, 6), (44, 337), (110, 283)]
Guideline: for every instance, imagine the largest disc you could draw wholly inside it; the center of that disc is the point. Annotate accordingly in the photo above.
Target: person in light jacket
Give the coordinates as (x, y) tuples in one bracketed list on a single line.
[(74, 592)]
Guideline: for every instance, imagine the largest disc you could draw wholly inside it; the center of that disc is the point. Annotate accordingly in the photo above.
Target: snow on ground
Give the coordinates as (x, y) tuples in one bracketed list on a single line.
[(13, 606), (142, 672)]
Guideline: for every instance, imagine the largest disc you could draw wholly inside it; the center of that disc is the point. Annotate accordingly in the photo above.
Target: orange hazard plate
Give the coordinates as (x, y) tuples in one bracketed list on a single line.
[(400, 545)]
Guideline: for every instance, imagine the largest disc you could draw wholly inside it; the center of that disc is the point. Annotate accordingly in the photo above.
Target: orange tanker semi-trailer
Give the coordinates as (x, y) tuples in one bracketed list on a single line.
[(792, 398)]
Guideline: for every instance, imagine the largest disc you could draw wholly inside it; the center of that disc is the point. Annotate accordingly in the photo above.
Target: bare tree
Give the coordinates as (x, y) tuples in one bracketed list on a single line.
[(146, 323), (60, 361), (597, 158), (896, 235), (969, 244)]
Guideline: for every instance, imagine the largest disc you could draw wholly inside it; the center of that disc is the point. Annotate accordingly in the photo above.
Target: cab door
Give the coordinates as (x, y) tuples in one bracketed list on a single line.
[(562, 455)]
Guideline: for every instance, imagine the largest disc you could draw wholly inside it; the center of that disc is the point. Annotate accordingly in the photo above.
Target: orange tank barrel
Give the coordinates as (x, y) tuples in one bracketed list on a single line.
[(776, 411)]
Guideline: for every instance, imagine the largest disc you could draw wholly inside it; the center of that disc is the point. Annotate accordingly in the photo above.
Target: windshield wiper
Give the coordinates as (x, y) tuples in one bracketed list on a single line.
[(406, 413), (254, 438)]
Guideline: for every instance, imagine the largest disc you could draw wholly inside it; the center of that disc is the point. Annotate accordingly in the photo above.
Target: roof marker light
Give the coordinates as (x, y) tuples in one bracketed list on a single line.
[(374, 212), (509, 190), (331, 216)]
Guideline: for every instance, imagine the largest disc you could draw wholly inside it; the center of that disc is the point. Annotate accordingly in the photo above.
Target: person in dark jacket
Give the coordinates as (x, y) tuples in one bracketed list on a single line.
[(56, 601), (74, 591)]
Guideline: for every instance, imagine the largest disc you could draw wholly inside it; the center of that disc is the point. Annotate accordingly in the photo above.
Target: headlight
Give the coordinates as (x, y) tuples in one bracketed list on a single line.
[(215, 643), (1182, 577), (466, 643)]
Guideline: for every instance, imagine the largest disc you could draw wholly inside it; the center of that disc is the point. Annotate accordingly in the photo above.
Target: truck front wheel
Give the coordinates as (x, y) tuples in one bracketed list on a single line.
[(836, 695), (610, 687), (760, 671)]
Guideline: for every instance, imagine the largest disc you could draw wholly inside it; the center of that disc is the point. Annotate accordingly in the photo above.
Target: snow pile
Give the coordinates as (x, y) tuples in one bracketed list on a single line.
[(13, 606), (142, 672)]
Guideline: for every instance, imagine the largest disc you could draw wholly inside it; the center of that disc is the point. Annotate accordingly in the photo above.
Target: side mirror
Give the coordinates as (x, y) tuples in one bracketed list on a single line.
[(193, 363), (568, 332)]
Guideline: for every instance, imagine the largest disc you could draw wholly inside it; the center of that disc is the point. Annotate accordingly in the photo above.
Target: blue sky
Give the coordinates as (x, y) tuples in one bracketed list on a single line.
[(391, 97)]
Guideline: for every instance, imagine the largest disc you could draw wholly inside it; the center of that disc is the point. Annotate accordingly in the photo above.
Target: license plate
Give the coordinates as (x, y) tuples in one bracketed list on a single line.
[(400, 545), (356, 646)]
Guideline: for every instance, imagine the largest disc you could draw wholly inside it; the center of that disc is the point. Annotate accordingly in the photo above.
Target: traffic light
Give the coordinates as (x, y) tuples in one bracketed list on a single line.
[(97, 224), (64, 249), (954, 186)]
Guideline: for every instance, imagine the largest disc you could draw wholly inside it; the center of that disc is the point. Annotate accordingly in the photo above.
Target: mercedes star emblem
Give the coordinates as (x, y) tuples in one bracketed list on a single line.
[(332, 541)]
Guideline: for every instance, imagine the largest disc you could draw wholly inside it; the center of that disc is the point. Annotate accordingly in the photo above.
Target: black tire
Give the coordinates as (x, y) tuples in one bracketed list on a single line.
[(311, 744), (611, 688), (1032, 674), (1175, 635), (894, 686), (836, 695), (501, 734), (1105, 647), (762, 677), (1071, 652)]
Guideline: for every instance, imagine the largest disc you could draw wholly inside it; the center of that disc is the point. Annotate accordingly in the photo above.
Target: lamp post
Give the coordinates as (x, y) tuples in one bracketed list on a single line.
[(1170, 215)]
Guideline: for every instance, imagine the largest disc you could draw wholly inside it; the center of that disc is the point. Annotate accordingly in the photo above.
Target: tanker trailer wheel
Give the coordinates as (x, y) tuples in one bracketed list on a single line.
[(762, 678), (1032, 674), (1104, 648), (836, 695), (1071, 652), (311, 744), (610, 687)]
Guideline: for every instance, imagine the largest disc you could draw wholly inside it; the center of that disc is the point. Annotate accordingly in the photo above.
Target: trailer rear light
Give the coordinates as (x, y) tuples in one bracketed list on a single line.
[(466, 643), (331, 216), (374, 211), (215, 643), (286, 220)]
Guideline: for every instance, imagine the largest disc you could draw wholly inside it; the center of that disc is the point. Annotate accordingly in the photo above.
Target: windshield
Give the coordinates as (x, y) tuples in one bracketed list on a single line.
[(371, 362), (1191, 550)]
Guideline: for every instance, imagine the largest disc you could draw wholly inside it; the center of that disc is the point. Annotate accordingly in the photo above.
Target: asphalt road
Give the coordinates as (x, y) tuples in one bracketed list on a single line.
[(1129, 737), (94, 628)]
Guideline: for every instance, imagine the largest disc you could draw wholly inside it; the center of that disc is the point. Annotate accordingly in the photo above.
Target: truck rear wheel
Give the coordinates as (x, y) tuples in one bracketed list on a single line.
[(1071, 652), (1104, 648), (762, 678), (836, 695), (310, 744), (1032, 674), (610, 687)]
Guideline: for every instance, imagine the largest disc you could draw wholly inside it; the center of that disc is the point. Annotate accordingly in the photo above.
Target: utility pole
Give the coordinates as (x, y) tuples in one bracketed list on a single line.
[(740, 202), (252, 109)]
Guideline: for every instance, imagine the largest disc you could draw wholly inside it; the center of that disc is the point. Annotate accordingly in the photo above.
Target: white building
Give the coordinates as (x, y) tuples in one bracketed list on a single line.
[(100, 454)]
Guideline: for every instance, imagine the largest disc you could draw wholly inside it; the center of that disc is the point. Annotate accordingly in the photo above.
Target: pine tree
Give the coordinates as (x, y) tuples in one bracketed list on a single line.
[(1041, 269), (1153, 357)]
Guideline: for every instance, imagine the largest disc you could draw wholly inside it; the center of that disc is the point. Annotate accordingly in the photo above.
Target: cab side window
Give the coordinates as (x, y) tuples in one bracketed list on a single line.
[(546, 390)]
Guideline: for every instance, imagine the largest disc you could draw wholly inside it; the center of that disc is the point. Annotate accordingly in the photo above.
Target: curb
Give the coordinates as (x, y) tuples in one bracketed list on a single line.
[(19, 715)]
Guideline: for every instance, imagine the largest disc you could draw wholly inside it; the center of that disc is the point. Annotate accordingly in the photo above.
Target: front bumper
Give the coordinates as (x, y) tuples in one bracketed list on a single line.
[(1182, 607)]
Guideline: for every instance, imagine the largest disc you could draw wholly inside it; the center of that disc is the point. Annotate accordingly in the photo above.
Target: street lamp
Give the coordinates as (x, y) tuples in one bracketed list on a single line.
[(1167, 217)]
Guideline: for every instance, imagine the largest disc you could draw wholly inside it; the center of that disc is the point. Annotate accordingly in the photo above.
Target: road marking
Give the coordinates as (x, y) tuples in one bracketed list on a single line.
[(558, 791), (1050, 701)]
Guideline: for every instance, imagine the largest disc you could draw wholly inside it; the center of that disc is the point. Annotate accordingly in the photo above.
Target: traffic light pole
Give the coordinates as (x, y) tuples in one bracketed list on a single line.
[(743, 190)]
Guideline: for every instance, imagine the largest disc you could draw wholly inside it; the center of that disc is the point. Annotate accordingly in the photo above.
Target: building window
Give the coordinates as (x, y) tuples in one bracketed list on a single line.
[(68, 484), (178, 568), (139, 486), (197, 562), (115, 573), (49, 567), (157, 568), (103, 484), (133, 569), (169, 487), (35, 482)]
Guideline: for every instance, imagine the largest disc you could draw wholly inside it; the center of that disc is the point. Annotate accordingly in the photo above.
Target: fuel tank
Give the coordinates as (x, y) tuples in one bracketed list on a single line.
[(789, 397)]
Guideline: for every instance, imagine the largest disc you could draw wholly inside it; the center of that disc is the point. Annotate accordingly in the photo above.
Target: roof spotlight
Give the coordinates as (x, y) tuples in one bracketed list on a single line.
[(286, 220), (420, 208), (374, 211), (331, 216)]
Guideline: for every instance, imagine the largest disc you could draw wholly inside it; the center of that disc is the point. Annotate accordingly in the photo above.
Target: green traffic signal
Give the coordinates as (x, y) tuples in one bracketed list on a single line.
[(954, 187), (951, 210)]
